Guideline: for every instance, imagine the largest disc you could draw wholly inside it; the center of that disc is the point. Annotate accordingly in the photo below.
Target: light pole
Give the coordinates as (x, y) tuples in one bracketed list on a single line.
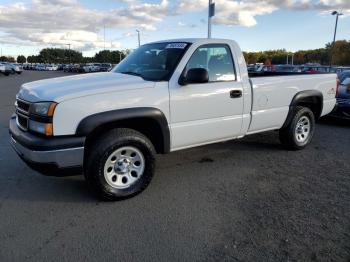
[(211, 13), (292, 57), (337, 14), (138, 36), (104, 37)]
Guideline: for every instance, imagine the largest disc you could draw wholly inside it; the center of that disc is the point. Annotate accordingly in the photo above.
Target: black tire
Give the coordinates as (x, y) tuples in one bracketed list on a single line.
[(287, 134), (101, 150)]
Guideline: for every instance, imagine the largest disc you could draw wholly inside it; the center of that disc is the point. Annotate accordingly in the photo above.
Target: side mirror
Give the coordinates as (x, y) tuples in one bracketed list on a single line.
[(194, 76)]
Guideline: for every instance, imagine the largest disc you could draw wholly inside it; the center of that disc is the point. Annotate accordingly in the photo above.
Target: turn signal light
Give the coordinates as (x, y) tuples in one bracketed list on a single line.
[(51, 109), (48, 130), (337, 90)]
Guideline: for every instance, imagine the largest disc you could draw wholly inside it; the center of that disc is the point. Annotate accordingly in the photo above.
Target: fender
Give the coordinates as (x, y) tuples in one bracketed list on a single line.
[(88, 124), (307, 96), (303, 96)]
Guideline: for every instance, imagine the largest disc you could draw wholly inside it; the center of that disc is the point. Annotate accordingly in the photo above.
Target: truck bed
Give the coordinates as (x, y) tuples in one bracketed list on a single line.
[(272, 97)]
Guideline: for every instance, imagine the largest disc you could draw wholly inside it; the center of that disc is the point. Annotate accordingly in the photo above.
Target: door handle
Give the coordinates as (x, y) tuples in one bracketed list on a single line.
[(236, 93)]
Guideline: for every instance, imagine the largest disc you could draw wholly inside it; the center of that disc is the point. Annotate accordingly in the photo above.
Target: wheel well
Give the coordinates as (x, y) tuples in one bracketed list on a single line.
[(312, 102), (147, 126), (311, 99)]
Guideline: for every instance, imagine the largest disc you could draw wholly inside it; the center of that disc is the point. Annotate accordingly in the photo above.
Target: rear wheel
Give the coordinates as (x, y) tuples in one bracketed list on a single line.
[(299, 132), (120, 164)]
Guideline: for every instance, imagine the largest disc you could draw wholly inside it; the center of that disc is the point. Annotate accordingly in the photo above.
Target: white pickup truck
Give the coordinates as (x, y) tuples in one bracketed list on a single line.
[(165, 96)]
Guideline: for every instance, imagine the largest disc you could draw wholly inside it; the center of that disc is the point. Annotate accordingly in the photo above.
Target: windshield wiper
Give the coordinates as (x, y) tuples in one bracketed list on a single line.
[(132, 73)]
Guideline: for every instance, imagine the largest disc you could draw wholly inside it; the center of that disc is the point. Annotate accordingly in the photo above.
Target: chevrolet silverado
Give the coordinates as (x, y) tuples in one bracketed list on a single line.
[(165, 96)]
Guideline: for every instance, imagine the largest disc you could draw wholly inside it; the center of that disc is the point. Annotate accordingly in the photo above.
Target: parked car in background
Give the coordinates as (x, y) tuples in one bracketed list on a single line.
[(9, 68), (97, 67), (287, 69), (105, 67), (255, 67), (88, 68), (2, 68), (5, 68), (67, 68), (16, 68), (51, 67), (29, 66), (40, 67), (342, 109), (75, 68)]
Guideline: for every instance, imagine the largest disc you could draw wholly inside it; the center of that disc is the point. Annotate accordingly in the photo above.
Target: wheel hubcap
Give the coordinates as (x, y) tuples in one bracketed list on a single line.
[(302, 129), (124, 167)]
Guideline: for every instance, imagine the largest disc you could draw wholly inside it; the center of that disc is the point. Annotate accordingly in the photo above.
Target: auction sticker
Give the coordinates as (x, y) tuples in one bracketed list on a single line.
[(176, 45)]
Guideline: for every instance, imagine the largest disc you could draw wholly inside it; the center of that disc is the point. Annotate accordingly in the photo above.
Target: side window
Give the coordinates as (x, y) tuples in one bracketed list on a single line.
[(216, 59)]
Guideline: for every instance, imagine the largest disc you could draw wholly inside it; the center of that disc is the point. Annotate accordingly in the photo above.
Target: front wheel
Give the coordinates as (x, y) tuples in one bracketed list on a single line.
[(299, 132), (120, 164)]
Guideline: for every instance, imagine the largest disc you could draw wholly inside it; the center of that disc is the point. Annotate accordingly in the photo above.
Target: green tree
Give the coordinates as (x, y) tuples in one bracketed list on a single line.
[(7, 59), (21, 59), (107, 56), (60, 56), (33, 59), (340, 53)]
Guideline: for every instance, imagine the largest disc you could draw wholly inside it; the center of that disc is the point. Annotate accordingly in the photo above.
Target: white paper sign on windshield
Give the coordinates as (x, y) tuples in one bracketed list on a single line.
[(176, 45)]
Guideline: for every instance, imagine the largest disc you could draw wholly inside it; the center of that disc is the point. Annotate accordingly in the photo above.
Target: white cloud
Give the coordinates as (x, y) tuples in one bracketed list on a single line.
[(67, 21), (59, 22), (244, 12), (183, 24)]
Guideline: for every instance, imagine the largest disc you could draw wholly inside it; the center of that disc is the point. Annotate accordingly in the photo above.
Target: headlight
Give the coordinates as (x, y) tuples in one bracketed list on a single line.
[(41, 117), (42, 128), (43, 109)]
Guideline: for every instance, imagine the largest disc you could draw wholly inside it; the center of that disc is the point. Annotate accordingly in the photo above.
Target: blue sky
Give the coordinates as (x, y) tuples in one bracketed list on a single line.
[(28, 26)]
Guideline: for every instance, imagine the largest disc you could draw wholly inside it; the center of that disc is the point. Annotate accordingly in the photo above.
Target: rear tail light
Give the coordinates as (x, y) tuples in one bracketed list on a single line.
[(337, 89)]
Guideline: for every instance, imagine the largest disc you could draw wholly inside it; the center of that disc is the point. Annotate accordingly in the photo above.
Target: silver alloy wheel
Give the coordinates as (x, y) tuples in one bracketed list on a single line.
[(124, 167), (302, 129)]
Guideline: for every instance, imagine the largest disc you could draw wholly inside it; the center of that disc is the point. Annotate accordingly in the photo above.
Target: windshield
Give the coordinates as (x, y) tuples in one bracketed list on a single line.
[(153, 62)]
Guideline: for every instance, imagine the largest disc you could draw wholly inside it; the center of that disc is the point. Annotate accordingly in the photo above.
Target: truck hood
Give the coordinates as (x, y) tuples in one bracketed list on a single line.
[(65, 88)]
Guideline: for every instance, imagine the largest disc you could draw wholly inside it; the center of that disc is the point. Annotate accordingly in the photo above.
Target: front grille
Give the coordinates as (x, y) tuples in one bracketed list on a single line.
[(22, 111), (22, 121), (23, 106)]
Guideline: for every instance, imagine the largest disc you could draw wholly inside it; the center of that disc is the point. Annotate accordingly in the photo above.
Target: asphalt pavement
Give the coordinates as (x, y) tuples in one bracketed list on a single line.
[(244, 200)]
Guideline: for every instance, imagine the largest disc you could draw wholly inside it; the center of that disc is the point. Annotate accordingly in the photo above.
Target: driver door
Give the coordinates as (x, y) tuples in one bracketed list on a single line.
[(207, 112)]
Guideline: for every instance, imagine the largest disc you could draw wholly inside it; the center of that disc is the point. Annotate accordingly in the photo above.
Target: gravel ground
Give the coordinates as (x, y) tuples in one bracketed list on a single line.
[(244, 200)]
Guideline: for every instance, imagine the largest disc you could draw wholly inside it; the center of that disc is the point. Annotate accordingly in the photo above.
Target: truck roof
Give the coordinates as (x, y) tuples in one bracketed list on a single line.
[(197, 40)]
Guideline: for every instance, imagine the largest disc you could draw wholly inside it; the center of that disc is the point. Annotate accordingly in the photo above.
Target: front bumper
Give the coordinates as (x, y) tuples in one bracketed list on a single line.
[(49, 156)]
